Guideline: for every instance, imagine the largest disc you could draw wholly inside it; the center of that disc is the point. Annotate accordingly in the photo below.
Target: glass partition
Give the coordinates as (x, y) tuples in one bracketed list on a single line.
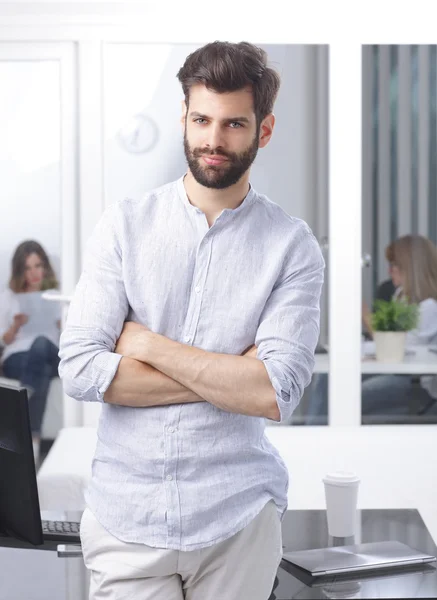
[(399, 309), (30, 173)]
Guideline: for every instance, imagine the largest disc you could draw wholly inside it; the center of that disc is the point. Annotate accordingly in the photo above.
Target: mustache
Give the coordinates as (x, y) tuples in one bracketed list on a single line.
[(198, 152)]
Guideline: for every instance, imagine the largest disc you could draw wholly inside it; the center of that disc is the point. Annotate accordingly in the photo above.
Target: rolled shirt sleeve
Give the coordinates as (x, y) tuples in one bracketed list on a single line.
[(289, 326), (96, 315)]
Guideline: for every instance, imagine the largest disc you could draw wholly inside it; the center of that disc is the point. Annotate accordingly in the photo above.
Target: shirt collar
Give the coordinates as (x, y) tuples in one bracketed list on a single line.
[(247, 201)]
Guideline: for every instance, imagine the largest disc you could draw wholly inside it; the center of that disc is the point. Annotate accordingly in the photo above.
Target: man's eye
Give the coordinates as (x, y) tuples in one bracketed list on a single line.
[(235, 125), (200, 120)]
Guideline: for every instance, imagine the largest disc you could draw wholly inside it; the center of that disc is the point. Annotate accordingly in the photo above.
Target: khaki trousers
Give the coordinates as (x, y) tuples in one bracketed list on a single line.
[(242, 567)]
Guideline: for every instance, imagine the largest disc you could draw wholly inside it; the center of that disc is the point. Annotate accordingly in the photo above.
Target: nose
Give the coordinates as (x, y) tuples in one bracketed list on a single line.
[(214, 137)]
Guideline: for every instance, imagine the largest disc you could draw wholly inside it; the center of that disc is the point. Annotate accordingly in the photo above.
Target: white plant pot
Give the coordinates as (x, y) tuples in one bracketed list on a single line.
[(390, 345)]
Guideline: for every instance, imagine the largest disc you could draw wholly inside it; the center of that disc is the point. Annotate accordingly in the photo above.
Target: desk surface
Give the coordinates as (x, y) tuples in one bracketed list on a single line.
[(422, 362), (305, 529)]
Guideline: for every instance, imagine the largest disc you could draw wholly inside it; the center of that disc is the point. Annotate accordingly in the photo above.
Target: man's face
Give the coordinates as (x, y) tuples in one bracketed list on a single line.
[(221, 138)]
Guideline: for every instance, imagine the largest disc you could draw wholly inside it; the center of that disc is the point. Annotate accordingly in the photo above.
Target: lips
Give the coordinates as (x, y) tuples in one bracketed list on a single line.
[(214, 160)]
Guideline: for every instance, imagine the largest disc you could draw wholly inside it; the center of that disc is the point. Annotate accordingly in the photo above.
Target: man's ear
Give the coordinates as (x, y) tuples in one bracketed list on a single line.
[(266, 130), (184, 114)]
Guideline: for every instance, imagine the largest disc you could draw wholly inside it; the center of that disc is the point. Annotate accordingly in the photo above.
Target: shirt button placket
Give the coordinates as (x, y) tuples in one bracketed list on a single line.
[(170, 480)]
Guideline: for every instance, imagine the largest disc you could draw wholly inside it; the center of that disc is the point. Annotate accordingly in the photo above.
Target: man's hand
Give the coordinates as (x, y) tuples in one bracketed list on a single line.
[(134, 336), (132, 340)]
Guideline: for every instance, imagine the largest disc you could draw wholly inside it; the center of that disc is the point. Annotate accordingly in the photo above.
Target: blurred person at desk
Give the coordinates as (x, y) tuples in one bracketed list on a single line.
[(30, 328), (413, 277), (413, 270), (387, 290)]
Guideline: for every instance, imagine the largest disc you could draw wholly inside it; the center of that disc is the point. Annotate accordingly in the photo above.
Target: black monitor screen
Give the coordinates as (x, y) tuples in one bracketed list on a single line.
[(19, 505)]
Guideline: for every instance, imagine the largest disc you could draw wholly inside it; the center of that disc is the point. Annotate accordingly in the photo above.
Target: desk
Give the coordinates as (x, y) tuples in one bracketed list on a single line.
[(422, 362), (305, 529), (30, 572), (24, 574)]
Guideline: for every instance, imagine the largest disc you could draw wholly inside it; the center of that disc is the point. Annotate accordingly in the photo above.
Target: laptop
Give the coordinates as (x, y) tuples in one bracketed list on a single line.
[(336, 560), (20, 515)]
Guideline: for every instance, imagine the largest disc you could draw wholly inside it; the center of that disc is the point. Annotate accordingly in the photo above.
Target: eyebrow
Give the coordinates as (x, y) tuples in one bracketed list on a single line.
[(199, 115)]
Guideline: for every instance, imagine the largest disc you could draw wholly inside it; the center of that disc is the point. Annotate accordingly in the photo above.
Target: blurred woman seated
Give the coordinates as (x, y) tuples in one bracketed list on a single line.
[(413, 271), (30, 329)]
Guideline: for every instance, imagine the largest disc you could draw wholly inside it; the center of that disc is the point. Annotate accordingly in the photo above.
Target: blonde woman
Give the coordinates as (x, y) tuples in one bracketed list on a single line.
[(413, 269), (30, 341)]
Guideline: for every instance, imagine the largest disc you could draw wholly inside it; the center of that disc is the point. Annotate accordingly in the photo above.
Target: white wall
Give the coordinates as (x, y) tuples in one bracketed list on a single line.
[(29, 159), (286, 170)]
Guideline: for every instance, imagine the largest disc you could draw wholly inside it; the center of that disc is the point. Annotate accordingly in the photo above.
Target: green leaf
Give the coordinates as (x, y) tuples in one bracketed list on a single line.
[(395, 315)]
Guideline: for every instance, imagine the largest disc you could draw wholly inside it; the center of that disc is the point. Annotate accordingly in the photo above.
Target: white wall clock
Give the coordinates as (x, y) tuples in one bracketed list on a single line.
[(139, 134)]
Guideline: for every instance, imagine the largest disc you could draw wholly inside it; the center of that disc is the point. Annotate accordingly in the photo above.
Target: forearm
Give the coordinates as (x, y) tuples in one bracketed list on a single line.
[(237, 384), (9, 335), (139, 384)]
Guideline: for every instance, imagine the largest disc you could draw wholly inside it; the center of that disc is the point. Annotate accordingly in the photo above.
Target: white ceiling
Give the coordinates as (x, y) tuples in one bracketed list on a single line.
[(73, 9)]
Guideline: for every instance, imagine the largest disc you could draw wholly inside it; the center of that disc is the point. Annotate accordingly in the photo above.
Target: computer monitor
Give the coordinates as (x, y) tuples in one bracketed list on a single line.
[(20, 515)]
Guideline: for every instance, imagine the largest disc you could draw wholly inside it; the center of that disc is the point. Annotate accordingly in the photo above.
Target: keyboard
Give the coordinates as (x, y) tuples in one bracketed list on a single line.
[(62, 531)]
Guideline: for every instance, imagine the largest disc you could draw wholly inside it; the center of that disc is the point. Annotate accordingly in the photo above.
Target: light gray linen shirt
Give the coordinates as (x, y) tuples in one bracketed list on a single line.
[(187, 476)]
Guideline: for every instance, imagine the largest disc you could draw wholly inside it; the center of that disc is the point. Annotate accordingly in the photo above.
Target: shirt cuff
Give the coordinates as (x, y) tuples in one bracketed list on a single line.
[(282, 389), (105, 366)]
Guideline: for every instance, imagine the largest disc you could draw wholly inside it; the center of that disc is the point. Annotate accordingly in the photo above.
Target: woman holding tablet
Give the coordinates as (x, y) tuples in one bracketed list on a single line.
[(29, 329)]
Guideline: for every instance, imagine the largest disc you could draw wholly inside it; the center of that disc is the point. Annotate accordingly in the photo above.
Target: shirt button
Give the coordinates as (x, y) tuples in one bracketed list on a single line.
[(169, 477), (197, 289), (187, 338), (171, 429)]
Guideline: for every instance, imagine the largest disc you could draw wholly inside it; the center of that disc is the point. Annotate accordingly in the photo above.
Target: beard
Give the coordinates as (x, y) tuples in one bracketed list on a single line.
[(222, 176)]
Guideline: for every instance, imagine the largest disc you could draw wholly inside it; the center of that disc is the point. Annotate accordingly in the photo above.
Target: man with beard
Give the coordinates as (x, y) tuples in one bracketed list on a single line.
[(195, 318)]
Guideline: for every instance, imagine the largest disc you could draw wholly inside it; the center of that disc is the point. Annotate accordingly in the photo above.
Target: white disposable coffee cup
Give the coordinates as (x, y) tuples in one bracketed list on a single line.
[(341, 494)]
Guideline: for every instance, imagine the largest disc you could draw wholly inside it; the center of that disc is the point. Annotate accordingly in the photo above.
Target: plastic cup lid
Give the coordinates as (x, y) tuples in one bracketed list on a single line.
[(341, 478)]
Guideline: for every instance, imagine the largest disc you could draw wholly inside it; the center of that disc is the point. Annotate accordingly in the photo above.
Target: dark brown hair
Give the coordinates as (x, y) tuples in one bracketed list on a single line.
[(17, 282), (225, 67)]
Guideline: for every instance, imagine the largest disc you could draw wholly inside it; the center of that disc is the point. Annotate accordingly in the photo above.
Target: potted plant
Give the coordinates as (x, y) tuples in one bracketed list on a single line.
[(390, 322)]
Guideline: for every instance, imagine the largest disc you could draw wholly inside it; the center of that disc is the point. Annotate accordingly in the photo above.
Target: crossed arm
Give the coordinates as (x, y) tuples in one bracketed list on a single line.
[(147, 369), (156, 371)]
